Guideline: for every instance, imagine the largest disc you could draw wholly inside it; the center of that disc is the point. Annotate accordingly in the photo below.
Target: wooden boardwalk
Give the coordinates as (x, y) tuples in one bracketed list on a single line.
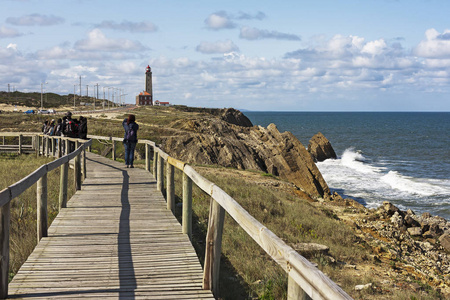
[(115, 240)]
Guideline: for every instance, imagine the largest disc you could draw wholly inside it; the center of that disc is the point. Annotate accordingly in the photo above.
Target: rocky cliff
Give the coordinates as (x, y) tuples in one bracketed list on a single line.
[(320, 148), (222, 141)]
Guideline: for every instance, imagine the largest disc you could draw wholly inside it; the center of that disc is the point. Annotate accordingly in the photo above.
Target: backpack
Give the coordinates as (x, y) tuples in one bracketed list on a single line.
[(131, 134), (72, 128)]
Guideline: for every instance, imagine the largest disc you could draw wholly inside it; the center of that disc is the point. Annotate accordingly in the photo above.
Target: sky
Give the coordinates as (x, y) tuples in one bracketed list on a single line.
[(291, 55)]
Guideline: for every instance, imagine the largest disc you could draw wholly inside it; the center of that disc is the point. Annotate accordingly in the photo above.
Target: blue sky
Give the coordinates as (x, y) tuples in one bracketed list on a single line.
[(349, 55)]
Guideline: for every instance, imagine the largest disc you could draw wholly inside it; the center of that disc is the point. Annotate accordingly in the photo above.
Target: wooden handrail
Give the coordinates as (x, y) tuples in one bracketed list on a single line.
[(39, 176), (305, 280)]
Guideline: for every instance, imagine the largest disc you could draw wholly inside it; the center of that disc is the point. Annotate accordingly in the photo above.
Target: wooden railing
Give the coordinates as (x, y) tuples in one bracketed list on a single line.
[(41, 145), (305, 280)]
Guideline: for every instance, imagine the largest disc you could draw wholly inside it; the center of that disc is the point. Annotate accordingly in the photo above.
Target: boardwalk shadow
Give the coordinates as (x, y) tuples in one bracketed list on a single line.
[(127, 277)]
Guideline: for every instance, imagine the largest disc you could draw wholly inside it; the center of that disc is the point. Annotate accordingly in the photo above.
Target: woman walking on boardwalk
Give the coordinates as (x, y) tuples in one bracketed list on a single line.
[(130, 139)]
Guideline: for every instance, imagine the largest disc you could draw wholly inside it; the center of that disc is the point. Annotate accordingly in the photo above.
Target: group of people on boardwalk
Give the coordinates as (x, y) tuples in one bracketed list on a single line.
[(66, 126), (74, 128)]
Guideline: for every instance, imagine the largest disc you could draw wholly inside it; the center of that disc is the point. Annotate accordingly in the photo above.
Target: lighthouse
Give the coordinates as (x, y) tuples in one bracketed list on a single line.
[(148, 81), (146, 97)]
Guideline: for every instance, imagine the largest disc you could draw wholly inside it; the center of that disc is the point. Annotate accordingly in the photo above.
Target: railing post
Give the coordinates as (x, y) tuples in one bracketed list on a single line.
[(295, 292), (38, 145), (42, 207), (5, 218), (187, 205), (20, 143), (67, 146), (155, 163), (213, 248), (47, 146), (77, 169), (160, 176), (114, 150), (84, 163), (53, 146), (63, 185), (170, 187), (59, 141), (43, 146), (147, 157)]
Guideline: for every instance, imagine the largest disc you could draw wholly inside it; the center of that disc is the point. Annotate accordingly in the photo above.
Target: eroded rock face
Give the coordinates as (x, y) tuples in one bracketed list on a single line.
[(216, 142), (320, 148), (235, 117)]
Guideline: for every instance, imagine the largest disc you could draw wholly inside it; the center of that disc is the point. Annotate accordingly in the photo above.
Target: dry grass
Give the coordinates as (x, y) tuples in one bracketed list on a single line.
[(246, 270), (23, 208)]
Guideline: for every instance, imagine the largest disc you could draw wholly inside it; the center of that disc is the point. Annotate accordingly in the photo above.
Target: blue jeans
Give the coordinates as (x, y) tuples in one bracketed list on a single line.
[(129, 153)]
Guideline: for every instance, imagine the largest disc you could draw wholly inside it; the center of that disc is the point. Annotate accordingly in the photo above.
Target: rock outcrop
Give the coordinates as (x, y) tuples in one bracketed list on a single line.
[(233, 116), (420, 242), (214, 141), (320, 148)]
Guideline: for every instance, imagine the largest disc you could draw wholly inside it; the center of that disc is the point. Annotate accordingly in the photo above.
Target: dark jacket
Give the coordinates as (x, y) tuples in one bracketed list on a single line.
[(83, 128), (132, 126)]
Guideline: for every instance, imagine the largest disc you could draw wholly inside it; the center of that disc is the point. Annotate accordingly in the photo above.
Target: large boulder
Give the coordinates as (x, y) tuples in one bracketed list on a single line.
[(235, 117), (320, 148), (213, 141), (445, 241)]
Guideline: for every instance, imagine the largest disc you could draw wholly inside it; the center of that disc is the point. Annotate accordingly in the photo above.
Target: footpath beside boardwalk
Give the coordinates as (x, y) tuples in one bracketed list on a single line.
[(115, 240)]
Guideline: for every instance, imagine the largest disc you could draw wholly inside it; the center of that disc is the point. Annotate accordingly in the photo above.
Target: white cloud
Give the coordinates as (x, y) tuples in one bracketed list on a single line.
[(250, 33), (128, 26), (35, 20), (374, 47), (435, 45), (217, 47), (98, 41), (219, 20), (6, 32)]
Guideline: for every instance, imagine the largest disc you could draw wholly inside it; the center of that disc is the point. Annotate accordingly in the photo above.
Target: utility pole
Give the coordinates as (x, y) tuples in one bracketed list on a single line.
[(74, 86), (8, 89), (80, 87), (94, 94)]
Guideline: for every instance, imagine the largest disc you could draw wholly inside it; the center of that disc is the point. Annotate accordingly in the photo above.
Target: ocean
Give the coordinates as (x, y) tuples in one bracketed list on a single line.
[(400, 157)]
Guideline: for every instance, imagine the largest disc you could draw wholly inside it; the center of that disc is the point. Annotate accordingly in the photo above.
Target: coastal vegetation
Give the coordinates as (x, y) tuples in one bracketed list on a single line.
[(247, 272), (23, 238), (49, 100)]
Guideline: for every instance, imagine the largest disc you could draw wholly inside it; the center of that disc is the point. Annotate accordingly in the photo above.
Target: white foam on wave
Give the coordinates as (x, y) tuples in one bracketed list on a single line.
[(357, 177), (417, 186), (355, 160)]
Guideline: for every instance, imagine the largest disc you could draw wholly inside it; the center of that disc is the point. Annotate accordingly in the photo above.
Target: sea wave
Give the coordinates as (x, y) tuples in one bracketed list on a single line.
[(356, 160), (358, 176), (417, 186)]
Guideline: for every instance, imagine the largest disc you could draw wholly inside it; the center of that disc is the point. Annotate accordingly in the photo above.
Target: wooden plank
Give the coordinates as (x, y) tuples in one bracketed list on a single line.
[(115, 237)]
